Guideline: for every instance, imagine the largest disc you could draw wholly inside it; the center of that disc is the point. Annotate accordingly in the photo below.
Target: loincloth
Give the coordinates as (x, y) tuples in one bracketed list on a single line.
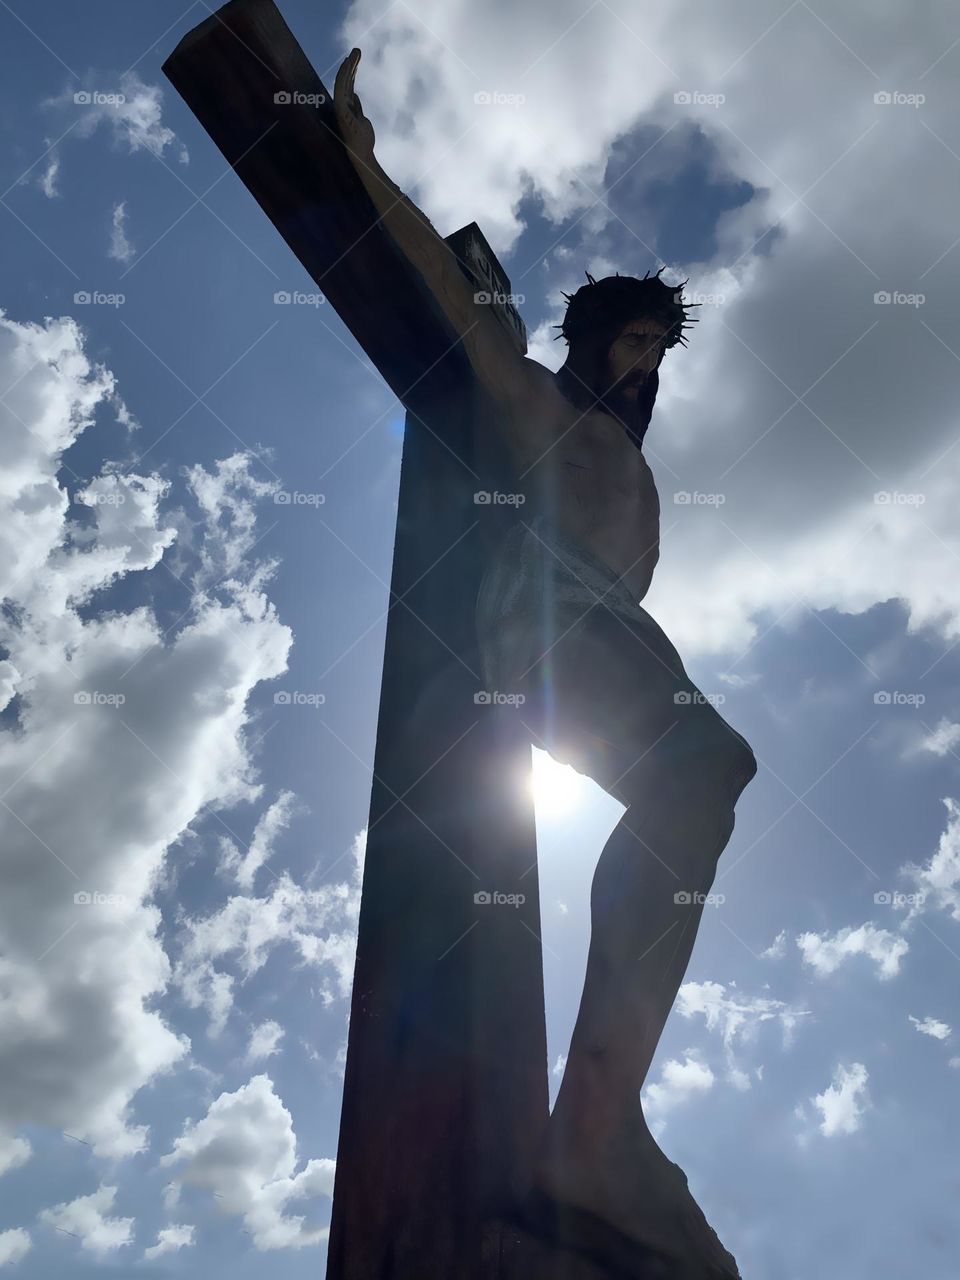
[(539, 587)]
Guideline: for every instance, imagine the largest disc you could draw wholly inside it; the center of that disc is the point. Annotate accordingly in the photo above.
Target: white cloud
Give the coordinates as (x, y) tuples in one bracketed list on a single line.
[(245, 1151), (737, 681), (938, 880), (825, 954), (931, 1027), (320, 924), (941, 740), (777, 948), (737, 1018), (120, 247), (131, 109), (80, 1033), (13, 1152), (560, 1063), (47, 180), (170, 1240), (767, 405), (264, 1041), (678, 1083), (14, 1244), (88, 1217), (842, 1103), (273, 821)]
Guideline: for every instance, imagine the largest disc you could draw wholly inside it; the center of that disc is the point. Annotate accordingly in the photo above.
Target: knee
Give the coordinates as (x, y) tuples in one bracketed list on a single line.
[(706, 737), (724, 757), (710, 765)]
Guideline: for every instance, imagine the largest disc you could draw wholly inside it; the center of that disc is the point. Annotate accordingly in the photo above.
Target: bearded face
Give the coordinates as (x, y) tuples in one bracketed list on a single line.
[(613, 363), (633, 356)]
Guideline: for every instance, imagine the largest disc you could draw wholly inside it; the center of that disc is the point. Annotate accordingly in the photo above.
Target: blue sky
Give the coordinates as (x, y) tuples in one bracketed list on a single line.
[(807, 1079)]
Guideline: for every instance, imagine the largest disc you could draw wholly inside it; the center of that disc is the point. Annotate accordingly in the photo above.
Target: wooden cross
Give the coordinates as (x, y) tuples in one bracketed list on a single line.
[(445, 1094)]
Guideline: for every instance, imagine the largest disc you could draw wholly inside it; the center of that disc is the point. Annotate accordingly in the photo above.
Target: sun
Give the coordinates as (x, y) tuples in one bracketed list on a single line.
[(557, 788)]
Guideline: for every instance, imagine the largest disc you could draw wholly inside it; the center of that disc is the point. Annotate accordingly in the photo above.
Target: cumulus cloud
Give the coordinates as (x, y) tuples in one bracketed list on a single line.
[(89, 1219), (274, 820), (120, 247), (14, 1244), (931, 1027), (843, 1102), (135, 733), (737, 1019), (264, 1041), (679, 1082), (245, 1151), (825, 953), (127, 106), (169, 1240), (319, 924)]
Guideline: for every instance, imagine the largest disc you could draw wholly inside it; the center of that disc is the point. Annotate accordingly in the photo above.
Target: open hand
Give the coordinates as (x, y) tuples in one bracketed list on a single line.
[(355, 129)]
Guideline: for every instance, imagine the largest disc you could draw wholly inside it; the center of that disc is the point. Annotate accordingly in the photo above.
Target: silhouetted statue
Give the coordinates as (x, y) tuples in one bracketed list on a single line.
[(559, 620)]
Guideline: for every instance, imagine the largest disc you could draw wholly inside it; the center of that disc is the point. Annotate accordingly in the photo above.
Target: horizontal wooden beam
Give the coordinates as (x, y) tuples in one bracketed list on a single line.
[(251, 86)]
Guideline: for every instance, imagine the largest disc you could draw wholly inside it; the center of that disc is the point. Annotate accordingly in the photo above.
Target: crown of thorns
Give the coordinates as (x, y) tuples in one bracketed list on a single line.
[(615, 300)]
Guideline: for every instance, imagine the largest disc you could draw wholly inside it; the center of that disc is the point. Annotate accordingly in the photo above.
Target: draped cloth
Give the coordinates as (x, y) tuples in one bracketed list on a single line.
[(553, 621)]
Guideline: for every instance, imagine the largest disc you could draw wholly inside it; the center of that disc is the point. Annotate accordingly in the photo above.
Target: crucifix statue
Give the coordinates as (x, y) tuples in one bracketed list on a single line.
[(509, 625)]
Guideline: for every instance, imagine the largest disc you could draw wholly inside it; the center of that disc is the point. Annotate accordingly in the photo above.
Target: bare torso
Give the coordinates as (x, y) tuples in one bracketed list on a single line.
[(601, 488)]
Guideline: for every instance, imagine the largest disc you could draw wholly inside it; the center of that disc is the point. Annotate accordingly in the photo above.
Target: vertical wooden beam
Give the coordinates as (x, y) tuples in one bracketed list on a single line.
[(445, 1093)]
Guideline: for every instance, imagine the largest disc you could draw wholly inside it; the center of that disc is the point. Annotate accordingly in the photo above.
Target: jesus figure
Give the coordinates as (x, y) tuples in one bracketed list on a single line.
[(560, 621)]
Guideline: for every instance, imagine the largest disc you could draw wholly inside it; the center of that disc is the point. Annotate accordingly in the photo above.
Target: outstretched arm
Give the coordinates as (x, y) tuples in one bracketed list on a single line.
[(513, 382)]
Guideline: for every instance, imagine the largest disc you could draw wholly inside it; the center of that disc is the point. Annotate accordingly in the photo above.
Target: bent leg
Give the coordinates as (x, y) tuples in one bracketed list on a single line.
[(628, 714), (599, 1157)]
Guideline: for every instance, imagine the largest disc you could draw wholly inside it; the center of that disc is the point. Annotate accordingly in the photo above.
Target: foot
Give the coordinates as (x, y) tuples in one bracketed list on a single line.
[(638, 1202)]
